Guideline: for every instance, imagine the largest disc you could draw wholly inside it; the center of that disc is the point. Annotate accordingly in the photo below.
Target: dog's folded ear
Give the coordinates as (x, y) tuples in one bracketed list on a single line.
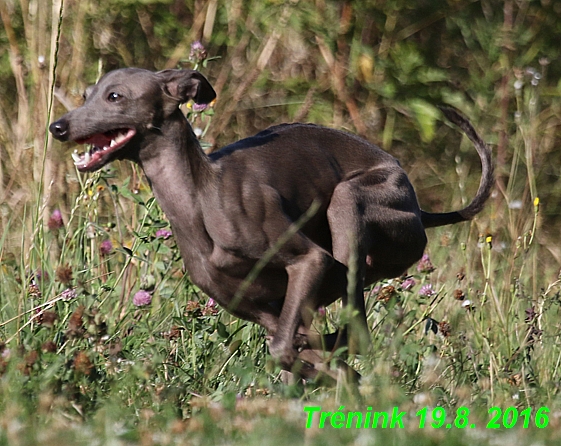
[(183, 85)]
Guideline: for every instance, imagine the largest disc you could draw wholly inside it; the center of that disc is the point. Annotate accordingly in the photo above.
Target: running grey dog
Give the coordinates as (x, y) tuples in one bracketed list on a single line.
[(356, 210)]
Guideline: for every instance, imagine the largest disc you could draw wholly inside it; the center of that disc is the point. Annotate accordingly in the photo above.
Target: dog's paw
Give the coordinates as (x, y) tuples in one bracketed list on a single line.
[(285, 356), (300, 342)]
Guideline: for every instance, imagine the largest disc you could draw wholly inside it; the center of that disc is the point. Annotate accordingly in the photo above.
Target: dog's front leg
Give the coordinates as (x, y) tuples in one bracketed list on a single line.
[(305, 275)]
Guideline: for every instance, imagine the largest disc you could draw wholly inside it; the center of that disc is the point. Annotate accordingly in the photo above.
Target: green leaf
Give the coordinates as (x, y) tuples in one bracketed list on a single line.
[(426, 115), (221, 329), (427, 75)]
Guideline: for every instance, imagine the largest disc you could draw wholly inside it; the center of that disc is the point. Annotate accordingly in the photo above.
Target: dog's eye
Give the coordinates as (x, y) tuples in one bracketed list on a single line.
[(114, 97)]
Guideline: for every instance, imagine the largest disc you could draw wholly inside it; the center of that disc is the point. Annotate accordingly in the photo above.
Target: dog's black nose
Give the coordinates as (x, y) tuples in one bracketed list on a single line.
[(59, 129)]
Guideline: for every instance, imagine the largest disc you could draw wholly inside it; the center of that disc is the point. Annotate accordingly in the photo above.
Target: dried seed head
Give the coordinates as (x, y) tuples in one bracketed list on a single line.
[(48, 318), (445, 328), (28, 361), (64, 274), (386, 293), (459, 294), (33, 291), (48, 347), (82, 363), (191, 307), (76, 323), (173, 333)]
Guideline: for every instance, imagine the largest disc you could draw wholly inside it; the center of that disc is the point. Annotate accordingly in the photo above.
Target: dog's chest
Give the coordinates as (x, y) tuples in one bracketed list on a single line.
[(221, 274)]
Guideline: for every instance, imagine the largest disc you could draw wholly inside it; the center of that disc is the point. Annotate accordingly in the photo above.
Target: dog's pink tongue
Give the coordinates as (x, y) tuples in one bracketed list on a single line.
[(99, 140)]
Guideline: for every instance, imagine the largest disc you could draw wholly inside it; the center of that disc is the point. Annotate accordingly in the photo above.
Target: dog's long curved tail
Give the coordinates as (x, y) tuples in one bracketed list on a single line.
[(430, 219)]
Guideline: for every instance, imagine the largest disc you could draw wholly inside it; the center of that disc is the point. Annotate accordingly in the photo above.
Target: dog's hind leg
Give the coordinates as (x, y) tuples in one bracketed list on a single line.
[(376, 232), (350, 243)]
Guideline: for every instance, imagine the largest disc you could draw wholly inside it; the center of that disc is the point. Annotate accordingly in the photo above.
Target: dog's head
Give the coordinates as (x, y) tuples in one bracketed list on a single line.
[(123, 109)]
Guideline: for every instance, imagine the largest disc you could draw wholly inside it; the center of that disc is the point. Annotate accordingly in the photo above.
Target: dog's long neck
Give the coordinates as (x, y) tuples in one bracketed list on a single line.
[(180, 174), (174, 148)]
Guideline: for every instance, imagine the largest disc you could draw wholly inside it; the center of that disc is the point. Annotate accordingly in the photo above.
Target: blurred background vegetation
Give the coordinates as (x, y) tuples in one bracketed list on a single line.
[(376, 68)]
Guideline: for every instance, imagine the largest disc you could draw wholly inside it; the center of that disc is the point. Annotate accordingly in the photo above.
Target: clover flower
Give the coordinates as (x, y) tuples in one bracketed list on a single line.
[(142, 298), (425, 265), (408, 283), (106, 247), (55, 220), (4, 352), (427, 290), (199, 107), (163, 233), (198, 52), (68, 294), (211, 308)]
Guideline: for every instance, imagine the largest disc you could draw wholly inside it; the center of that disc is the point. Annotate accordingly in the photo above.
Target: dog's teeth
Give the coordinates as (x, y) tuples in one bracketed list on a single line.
[(87, 158), (76, 157), (119, 138), (113, 143)]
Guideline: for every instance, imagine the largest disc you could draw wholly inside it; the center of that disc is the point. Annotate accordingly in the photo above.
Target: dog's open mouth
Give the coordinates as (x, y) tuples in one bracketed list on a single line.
[(102, 146)]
